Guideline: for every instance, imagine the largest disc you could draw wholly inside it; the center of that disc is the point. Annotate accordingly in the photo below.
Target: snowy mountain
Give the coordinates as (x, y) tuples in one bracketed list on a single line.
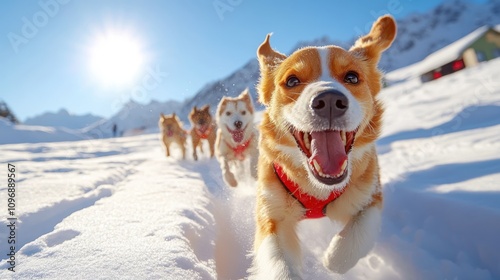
[(233, 85), (418, 36), (63, 118), (422, 34), (134, 118), (118, 209), (6, 113), (19, 133)]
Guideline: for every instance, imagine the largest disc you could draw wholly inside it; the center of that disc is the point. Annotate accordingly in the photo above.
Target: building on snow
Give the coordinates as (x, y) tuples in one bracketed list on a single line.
[(480, 45)]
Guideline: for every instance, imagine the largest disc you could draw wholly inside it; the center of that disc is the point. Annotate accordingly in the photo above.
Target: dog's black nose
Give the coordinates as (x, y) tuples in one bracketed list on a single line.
[(238, 124), (330, 104)]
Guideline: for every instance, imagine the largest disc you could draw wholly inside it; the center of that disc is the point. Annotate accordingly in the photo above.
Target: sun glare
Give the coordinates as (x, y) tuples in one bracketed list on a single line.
[(116, 59)]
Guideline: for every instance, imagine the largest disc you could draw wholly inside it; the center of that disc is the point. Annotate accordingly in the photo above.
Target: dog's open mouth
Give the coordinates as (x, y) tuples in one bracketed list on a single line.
[(202, 128), (237, 134), (326, 152)]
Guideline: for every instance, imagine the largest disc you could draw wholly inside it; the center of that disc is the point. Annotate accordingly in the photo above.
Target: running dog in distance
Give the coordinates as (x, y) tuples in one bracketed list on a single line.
[(172, 132), (202, 128), (237, 137)]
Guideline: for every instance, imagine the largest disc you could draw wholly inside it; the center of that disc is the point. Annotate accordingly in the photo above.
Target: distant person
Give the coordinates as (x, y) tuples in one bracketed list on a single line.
[(115, 128)]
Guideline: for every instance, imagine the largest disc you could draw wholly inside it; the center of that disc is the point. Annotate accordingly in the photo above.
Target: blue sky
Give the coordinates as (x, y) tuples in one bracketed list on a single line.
[(184, 44)]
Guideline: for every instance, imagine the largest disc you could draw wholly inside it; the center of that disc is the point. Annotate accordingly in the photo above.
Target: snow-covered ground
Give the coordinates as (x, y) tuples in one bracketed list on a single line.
[(118, 209), (20, 133)]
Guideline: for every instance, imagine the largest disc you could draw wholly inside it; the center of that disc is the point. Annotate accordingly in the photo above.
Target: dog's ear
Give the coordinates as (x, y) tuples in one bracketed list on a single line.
[(269, 59), (195, 109), (245, 94), (174, 115), (221, 106), (206, 108), (247, 98), (380, 38), (162, 115)]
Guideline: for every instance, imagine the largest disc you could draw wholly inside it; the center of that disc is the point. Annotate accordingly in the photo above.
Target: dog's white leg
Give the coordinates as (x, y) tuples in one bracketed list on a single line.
[(354, 241), (278, 256), (254, 159), (195, 142), (183, 148), (226, 172), (168, 150), (211, 146)]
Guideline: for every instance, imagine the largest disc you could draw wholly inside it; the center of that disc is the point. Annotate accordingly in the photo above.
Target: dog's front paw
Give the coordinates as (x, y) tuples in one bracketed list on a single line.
[(253, 172), (229, 179), (338, 257), (354, 241)]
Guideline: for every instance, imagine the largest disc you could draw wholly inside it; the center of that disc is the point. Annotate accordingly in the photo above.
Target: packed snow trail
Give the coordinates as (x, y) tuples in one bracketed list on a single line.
[(151, 223)]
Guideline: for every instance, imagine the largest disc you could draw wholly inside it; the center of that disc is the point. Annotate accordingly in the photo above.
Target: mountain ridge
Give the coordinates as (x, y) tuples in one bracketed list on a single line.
[(419, 34)]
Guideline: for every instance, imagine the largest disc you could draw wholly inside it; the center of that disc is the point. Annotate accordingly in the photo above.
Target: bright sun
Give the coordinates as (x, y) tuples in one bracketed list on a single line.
[(116, 59)]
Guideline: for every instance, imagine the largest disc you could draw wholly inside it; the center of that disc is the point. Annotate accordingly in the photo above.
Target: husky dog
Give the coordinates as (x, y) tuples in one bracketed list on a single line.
[(237, 136)]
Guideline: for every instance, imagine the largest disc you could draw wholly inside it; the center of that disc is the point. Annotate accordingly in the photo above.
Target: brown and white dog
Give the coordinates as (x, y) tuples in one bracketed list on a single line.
[(172, 132), (317, 151), (237, 136), (202, 128)]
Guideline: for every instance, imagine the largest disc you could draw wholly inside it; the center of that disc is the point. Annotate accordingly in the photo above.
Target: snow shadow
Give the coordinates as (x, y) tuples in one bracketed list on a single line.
[(450, 173), (455, 173), (210, 171), (35, 225), (444, 230), (471, 117)]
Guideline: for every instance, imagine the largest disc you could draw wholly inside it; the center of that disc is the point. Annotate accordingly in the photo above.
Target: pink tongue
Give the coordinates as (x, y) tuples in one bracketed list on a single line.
[(237, 136), (328, 150), (203, 128)]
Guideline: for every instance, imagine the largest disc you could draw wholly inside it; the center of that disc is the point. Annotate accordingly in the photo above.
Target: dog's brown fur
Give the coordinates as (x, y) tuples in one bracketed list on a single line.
[(276, 247), (172, 132), (235, 119), (202, 128)]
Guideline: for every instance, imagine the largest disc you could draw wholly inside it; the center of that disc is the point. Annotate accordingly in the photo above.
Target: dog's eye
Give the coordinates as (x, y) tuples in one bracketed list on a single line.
[(228, 113), (292, 81), (351, 78), (243, 112)]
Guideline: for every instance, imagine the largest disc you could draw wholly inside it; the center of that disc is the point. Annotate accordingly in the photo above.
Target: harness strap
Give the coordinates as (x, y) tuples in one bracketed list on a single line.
[(204, 135), (240, 149), (315, 208)]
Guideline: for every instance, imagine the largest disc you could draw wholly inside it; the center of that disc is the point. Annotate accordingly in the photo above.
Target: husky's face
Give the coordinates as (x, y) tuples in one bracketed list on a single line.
[(234, 116)]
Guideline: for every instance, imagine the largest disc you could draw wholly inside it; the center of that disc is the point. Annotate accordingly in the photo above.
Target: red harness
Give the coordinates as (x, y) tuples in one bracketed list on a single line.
[(204, 135), (238, 150), (315, 208)]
